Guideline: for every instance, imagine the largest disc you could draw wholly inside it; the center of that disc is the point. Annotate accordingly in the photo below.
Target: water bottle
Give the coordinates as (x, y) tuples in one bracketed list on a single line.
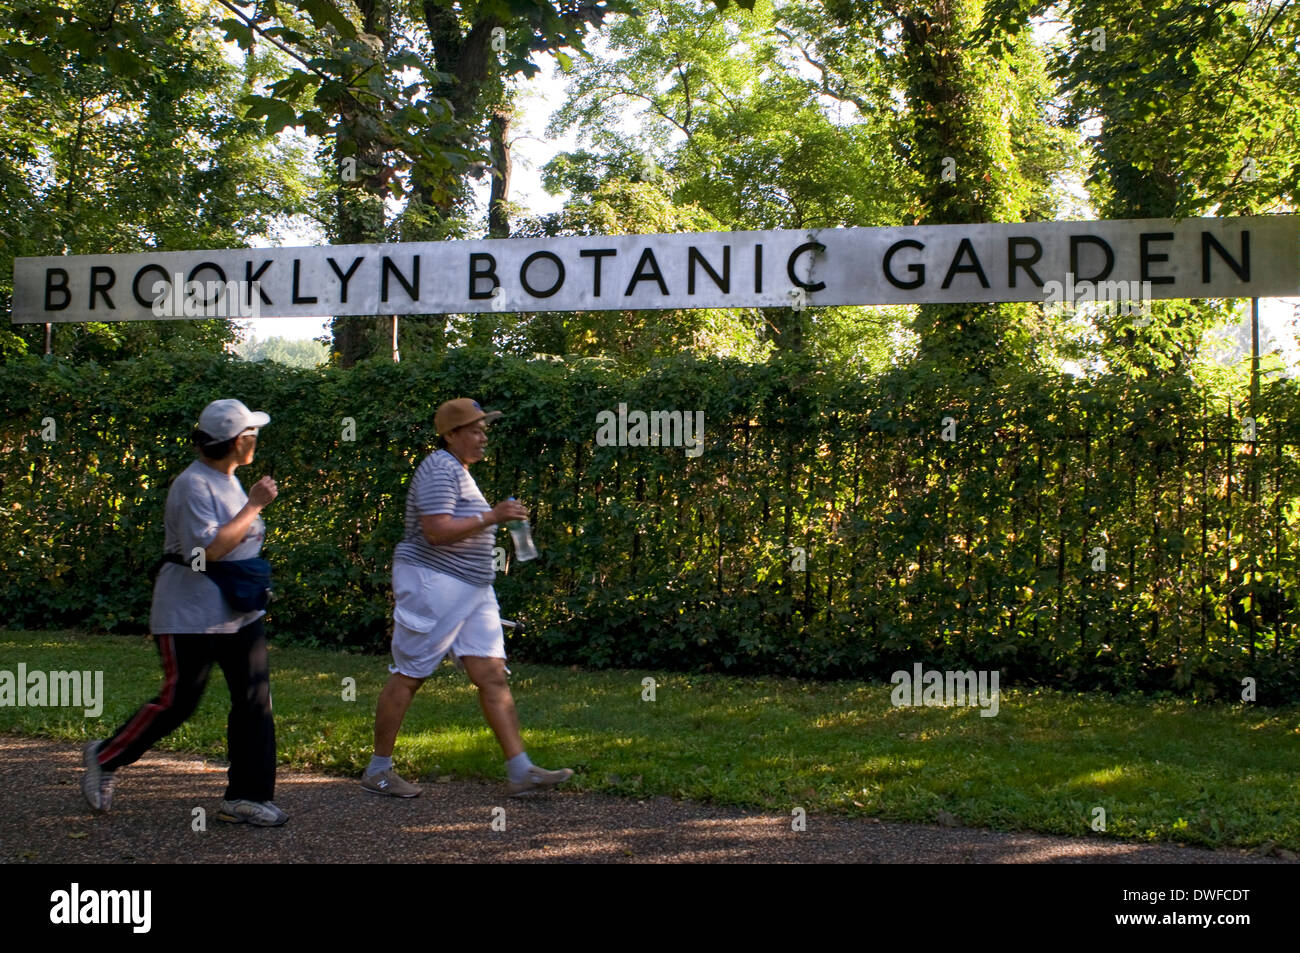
[(523, 539)]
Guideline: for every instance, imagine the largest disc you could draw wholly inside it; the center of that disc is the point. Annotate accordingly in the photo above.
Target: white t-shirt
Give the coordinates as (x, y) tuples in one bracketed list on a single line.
[(200, 502)]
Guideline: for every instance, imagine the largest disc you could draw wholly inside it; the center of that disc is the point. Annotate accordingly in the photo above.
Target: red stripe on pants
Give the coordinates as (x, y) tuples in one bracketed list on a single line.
[(146, 715)]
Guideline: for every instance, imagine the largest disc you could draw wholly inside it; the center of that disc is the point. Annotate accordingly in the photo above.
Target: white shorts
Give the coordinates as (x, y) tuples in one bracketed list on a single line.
[(436, 614)]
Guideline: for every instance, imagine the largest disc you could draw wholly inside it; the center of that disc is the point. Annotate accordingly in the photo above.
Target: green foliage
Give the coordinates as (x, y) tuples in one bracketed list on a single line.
[(976, 552), (730, 136), (824, 115), (1197, 102), (975, 135), (1195, 111), (94, 161), (631, 339), (393, 90), (741, 133), (124, 127)]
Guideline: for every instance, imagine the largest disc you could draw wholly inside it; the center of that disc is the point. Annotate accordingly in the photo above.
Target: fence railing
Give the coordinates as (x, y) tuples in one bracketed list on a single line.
[(1091, 535)]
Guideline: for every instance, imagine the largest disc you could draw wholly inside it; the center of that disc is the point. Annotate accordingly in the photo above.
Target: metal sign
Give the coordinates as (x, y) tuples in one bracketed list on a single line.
[(1036, 261)]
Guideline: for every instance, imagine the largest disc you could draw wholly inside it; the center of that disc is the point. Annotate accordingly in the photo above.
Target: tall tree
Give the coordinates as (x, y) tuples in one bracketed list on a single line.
[(976, 133), (789, 117), (400, 89), (1195, 111), (120, 148), (735, 132)]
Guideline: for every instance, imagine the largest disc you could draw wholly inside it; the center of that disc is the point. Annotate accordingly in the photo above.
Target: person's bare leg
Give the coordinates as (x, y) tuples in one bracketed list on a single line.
[(489, 677), (391, 709)]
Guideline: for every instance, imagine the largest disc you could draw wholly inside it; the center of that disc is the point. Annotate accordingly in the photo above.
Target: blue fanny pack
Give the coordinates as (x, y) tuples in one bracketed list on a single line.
[(244, 583)]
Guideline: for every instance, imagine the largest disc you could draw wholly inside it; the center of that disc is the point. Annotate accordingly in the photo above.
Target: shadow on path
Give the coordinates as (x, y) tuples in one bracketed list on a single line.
[(43, 819)]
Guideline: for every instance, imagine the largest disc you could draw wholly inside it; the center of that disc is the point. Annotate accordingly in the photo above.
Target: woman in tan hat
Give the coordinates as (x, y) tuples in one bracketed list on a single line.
[(442, 581)]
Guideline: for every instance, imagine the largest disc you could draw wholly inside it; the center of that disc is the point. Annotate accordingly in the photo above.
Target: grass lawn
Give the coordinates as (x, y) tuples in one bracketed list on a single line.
[(1162, 769)]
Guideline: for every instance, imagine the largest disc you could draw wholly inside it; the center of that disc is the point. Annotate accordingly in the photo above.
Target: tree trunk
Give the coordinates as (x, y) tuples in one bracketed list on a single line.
[(360, 201), (962, 159), (498, 130)]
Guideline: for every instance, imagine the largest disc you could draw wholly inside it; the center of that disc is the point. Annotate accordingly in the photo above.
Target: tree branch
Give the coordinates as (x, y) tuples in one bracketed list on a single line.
[(257, 29), (619, 91), (843, 94)]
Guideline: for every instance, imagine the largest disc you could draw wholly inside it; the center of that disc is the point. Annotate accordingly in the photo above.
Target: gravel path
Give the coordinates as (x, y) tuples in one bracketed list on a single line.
[(43, 819)]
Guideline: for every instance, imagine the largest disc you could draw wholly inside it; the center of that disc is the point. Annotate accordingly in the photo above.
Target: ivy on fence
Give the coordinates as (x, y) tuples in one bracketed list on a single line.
[(1110, 534)]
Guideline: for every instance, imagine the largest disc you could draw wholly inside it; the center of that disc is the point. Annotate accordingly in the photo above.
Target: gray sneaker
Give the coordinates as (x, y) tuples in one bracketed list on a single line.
[(257, 813), (388, 782), (539, 779), (96, 783)]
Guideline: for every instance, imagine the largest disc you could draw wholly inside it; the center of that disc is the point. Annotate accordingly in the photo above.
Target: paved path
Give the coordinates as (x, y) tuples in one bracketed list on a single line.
[(43, 819)]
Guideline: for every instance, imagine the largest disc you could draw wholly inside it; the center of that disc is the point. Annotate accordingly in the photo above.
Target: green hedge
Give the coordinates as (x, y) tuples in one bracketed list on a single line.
[(972, 552)]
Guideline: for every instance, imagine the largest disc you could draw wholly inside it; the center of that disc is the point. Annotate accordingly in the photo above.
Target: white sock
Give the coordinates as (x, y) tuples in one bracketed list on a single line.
[(378, 764), (517, 767)]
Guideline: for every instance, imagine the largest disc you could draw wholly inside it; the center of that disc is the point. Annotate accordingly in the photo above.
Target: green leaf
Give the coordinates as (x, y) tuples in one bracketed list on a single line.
[(292, 86), (278, 114), (237, 31), (29, 56), (323, 12), (121, 62)]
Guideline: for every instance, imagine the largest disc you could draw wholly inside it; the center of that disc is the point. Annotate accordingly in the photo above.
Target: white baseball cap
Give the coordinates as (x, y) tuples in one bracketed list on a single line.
[(223, 419)]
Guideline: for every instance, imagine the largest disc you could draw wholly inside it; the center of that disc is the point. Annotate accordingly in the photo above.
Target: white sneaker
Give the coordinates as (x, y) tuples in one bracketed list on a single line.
[(96, 783), (539, 779), (257, 813)]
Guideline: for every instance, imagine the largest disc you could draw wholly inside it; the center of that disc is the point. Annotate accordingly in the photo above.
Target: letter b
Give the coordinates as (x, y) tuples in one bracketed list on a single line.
[(61, 288), (476, 273)]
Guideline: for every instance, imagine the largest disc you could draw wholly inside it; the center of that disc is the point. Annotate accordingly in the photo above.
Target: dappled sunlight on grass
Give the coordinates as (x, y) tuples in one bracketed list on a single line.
[(1102, 777), (878, 767), (852, 718)]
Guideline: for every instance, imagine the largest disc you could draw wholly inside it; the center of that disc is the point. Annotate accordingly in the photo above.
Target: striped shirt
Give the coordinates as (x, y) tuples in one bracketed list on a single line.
[(442, 484)]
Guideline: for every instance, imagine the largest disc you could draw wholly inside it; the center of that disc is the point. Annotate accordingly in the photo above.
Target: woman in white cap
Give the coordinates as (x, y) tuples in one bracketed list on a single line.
[(209, 520), (442, 581)]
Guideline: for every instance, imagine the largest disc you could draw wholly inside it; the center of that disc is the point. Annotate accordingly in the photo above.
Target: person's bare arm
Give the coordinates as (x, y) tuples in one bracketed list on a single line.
[(442, 529), (233, 533)]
